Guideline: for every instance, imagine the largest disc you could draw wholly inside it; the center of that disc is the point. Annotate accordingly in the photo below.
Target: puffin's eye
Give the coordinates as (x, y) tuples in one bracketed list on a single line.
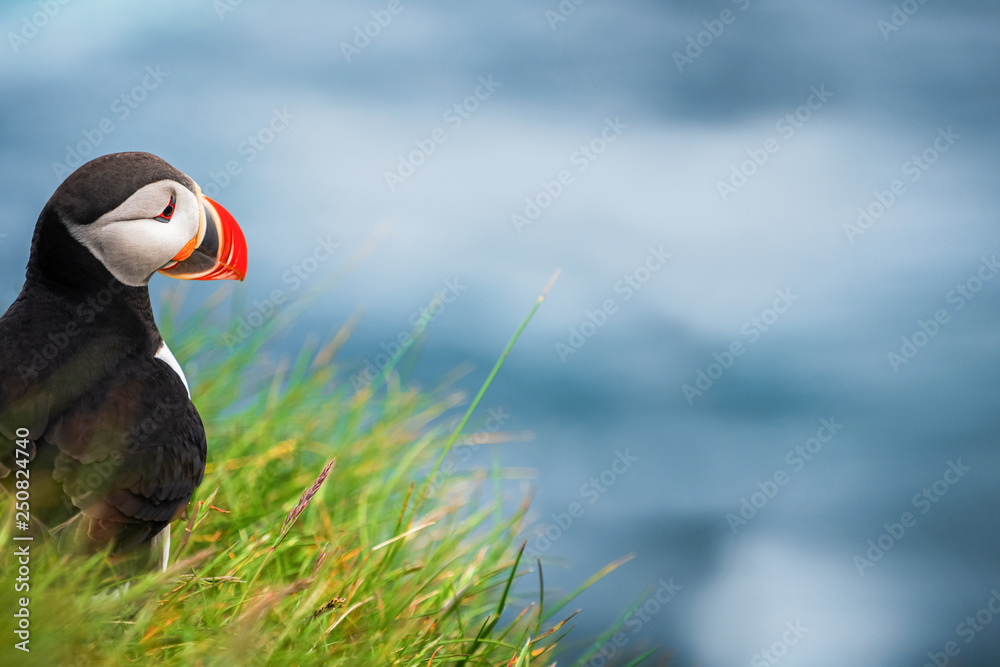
[(168, 212)]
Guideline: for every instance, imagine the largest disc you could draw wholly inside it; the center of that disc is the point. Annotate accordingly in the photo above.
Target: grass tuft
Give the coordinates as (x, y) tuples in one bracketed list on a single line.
[(286, 559)]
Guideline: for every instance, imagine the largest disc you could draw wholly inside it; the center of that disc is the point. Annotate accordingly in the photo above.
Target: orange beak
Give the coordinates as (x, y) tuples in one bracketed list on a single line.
[(218, 252)]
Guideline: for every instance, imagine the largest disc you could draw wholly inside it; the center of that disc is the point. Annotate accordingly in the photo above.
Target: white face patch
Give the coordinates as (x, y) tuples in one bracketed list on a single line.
[(130, 242)]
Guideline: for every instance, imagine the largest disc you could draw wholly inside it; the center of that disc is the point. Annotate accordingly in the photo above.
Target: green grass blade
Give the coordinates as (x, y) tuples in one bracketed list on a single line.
[(482, 390), (593, 579)]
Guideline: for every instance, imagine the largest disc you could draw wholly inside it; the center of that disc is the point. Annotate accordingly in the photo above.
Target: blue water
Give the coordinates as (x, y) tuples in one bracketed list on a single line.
[(676, 402)]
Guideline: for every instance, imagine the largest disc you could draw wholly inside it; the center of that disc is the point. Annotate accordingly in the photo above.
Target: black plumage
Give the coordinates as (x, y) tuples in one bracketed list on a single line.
[(117, 447)]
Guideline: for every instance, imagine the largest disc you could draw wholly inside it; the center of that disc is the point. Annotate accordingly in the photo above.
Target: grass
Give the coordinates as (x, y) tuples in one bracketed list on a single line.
[(321, 534)]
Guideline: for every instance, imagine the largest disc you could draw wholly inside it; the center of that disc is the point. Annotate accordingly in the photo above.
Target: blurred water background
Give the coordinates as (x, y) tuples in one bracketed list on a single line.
[(769, 367)]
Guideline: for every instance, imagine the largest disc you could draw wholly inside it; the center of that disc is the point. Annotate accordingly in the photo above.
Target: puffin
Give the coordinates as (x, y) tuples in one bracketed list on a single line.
[(97, 429)]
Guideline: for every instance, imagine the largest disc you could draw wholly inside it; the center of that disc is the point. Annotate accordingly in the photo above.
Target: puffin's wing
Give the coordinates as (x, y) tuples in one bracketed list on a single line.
[(130, 453), (21, 423), (25, 405)]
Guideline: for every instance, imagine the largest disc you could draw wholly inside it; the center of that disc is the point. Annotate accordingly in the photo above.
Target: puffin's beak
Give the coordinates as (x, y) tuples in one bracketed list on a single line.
[(218, 252)]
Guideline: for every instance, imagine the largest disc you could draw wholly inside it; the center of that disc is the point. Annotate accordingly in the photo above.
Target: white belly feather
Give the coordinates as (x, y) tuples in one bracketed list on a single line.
[(164, 354)]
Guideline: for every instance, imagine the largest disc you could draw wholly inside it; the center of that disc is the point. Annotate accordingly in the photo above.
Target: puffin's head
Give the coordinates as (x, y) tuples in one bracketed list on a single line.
[(137, 215)]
